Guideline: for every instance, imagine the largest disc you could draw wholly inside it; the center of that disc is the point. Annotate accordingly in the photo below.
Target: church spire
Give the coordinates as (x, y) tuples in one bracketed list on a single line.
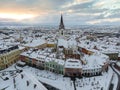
[(61, 26)]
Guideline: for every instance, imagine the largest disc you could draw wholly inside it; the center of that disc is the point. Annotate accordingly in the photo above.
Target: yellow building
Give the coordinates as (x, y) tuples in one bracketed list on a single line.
[(9, 58), (51, 45)]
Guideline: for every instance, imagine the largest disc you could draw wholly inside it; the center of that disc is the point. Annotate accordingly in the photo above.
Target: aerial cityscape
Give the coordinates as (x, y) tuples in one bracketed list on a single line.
[(59, 45)]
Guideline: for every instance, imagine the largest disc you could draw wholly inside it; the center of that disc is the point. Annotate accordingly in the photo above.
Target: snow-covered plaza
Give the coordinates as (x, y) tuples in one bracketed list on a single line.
[(37, 77)]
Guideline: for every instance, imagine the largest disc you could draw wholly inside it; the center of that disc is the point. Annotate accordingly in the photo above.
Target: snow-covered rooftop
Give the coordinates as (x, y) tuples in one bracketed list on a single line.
[(118, 63), (73, 63), (35, 42), (119, 55), (41, 55), (94, 61), (71, 43)]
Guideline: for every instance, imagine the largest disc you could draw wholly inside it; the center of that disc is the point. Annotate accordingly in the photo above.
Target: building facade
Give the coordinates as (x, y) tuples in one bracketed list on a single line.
[(112, 56), (43, 62), (9, 56), (73, 68)]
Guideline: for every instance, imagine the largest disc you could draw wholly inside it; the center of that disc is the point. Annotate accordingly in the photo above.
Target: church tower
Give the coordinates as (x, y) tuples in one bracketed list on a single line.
[(61, 26)]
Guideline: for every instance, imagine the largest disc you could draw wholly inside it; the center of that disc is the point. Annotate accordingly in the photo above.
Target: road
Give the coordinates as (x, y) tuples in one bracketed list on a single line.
[(118, 86)]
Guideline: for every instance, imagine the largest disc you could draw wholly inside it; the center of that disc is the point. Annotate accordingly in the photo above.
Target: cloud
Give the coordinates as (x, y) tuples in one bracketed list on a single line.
[(80, 5), (74, 11), (100, 21), (107, 4)]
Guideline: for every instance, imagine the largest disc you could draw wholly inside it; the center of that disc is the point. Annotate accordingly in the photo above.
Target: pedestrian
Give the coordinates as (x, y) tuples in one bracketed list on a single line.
[(35, 85)]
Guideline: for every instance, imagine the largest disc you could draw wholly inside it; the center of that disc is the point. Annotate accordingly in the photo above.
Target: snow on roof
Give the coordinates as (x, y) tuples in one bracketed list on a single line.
[(110, 49), (34, 55), (35, 42), (21, 47), (20, 62), (2, 35), (94, 61), (42, 56), (67, 43), (106, 45), (72, 42), (119, 55), (118, 63), (62, 42), (73, 63), (51, 42), (6, 44), (60, 61)]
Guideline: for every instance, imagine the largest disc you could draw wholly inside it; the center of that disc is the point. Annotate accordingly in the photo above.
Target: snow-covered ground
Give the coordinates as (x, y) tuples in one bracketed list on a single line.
[(115, 81), (34, 75), (19, 81), (65, 83)]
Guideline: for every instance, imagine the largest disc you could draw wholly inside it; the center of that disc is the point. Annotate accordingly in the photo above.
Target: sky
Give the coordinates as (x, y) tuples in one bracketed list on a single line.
[(77, 12)]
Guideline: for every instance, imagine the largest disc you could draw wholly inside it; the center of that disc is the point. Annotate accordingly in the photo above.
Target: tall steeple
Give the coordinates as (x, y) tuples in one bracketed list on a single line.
[(61, 26)]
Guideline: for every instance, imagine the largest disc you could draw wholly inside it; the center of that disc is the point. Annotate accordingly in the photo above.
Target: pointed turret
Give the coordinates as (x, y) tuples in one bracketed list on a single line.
[(61, 26)]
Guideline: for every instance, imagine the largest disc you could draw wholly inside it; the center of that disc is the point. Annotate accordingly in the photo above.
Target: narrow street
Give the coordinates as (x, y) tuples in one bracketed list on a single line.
[(73, 79), (118, 86)]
